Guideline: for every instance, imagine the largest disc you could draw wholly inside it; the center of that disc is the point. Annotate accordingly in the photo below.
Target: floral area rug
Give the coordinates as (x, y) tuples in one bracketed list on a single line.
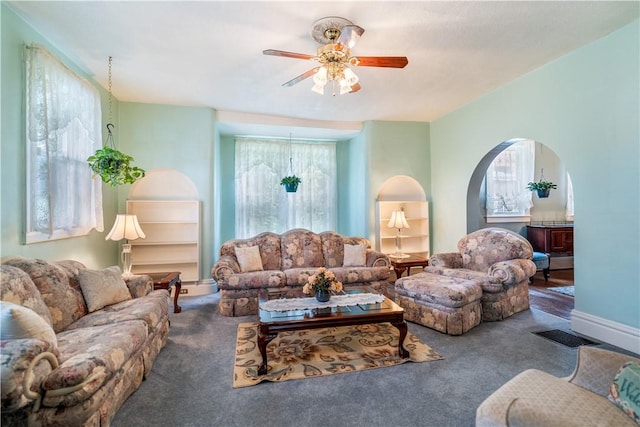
[(564, 290), (328, 351)]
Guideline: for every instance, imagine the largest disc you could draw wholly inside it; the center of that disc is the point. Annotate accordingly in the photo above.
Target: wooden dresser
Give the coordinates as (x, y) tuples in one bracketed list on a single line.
[(556, 240)]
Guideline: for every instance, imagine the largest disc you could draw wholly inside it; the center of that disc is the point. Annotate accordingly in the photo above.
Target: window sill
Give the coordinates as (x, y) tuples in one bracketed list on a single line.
[(38, 237), (493, 219)]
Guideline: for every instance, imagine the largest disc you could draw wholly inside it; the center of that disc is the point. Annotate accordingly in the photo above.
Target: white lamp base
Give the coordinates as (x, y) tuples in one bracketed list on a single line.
[(398, 253), (126, 259)]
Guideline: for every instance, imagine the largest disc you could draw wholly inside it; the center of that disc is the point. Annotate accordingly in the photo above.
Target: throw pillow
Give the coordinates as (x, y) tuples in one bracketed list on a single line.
[(625, 390), (355, 255), (19, 322), (249, 258), (101, 288)]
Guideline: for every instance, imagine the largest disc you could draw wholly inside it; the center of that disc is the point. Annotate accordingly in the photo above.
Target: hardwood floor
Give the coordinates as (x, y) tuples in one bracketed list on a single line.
[(552, 302)]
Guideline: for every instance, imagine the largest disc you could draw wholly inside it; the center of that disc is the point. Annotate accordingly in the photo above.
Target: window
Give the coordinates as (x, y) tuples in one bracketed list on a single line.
[(63, 117), (569, 212), (262, 203), (507, 196)]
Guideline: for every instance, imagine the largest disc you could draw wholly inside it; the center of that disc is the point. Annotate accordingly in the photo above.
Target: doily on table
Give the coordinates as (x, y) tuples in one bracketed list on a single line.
[(288, 304)]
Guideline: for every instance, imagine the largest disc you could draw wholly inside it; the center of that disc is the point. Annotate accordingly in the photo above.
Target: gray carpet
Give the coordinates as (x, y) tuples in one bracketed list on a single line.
[(190, 384)]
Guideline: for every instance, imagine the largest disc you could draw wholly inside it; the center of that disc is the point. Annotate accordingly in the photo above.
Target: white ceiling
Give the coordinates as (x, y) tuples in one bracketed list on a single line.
[(209, 53)]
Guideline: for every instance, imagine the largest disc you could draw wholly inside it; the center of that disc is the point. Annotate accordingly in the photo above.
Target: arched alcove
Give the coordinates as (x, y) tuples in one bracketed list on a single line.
[(401, 187), (403, 193), (164, 184)]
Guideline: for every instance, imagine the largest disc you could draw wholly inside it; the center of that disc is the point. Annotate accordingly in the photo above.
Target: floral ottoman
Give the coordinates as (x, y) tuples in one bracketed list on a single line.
[(446, 304)]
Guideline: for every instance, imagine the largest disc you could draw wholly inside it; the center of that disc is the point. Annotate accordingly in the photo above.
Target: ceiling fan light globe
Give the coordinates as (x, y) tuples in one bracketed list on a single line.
[(344, 89), (319, 89), (350, 77), (320, 78)]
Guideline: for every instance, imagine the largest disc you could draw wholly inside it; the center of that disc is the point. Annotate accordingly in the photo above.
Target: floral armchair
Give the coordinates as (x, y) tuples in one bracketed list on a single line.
[(500, 260)]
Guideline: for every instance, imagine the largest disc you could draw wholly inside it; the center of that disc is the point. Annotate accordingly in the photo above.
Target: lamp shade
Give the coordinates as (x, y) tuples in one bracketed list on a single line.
[(125, 227), (398, 220)]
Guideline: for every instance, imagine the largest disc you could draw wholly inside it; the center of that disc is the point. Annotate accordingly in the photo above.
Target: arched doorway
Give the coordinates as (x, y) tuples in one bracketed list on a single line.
[(550, 214)]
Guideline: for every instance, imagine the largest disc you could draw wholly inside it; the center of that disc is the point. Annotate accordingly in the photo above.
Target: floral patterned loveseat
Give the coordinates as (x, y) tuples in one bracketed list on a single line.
[(66, 360), (286, 261), (500, 260)]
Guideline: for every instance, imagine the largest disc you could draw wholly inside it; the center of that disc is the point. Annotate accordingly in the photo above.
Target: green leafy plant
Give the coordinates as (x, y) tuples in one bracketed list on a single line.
[(290, 180), (541, 185), (114, 167)]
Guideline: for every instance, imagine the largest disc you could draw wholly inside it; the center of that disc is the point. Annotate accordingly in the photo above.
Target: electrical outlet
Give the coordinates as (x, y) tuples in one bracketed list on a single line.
[(184, 291)]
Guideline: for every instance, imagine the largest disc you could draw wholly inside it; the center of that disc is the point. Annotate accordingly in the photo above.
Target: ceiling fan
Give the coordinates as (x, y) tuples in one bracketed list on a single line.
[(337, 36)]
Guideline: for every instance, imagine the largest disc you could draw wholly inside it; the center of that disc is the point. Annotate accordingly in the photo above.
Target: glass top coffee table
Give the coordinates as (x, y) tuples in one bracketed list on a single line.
[(272, 322)]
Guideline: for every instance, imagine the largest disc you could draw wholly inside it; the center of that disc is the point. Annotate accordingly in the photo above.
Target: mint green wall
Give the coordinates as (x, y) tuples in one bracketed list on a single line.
[(92, 250), (584, 107), (352, 186), (179, 138), (226, 188), (394, 148)]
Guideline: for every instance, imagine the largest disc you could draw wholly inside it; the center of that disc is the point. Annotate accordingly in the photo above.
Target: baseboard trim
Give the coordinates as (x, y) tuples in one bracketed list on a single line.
[(203, 287), (613, 333)]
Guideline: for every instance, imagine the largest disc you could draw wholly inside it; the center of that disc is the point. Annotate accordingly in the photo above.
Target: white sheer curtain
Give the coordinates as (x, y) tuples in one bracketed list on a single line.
[(262, 204), (507, 178), (63, 119), (569, 210)]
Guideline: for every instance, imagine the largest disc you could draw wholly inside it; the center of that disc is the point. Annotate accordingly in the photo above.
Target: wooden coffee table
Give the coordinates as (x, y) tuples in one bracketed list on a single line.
[(272, 322)]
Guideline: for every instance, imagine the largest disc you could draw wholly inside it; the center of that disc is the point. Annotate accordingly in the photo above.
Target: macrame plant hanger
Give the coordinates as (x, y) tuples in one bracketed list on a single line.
[(110, 142), (113, 166), (541, 175), (290, 156)]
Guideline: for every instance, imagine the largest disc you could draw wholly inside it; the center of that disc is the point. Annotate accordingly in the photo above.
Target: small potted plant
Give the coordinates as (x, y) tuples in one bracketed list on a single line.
[(290, 183), (542, 188)]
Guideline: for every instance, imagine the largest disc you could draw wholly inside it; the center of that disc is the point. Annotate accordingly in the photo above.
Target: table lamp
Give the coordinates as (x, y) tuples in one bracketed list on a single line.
[(398, 221), (126, 227)]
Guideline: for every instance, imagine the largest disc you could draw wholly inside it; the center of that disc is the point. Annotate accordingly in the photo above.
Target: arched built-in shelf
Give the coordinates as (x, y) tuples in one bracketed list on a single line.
[(403, 193)]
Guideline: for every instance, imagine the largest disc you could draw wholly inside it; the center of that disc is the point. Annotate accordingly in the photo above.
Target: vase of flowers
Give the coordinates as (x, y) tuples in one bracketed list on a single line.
[(322, 284)]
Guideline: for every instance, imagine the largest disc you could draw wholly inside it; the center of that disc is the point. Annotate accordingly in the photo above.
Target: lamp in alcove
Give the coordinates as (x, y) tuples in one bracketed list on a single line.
[(398, 221), (126, 227)]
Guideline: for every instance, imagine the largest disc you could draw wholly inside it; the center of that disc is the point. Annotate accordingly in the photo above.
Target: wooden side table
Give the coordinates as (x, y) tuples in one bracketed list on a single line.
[(402, 264), (166, 281)]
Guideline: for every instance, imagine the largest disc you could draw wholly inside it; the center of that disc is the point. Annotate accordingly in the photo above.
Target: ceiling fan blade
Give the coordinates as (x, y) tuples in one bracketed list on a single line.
[(350, 35), (301, 77), (275, 52), (383, 61), (356, 87)]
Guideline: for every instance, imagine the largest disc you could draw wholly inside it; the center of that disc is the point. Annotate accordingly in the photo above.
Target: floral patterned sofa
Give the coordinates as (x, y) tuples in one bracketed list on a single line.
[(270, 261), (500, 260), (65, 358)]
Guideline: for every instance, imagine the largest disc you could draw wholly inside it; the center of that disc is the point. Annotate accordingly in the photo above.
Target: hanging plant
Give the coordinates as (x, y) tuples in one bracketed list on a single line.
[(542, 188), (111, 165), (290, 183), (114, 167)]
